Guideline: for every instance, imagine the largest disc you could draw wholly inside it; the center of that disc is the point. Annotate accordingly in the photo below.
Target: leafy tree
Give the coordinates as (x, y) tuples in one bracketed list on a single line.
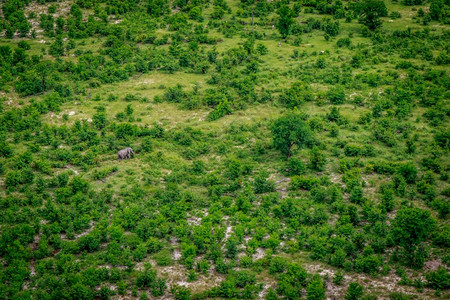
[(30, 83), (57, 48), (410, 228), (285, 21), (44, 69), (371, 12), (437, 9), (408, 171), (290, 130), (332, 28), (5, 149), (263, 184), (180, 292)]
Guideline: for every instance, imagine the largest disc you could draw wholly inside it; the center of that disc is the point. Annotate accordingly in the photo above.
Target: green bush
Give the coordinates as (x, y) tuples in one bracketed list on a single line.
[(353, 150), (163, 258), (296, 166), (303, 182), (439, 279), (315, 289), (317, 159), (408, 171), (336, 95), (354, 291), (290, 130), (222, 109)]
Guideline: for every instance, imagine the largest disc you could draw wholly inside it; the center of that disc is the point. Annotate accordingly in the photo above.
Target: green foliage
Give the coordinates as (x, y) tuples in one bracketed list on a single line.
[(285, 21), (412, 226), (206, 182), (354, 291), (370, 12), (222, 109), (336, 95), (315, 289), (263, 184), (439, 279), (296, 166), (317, 159), (303, 182), (408, 171), (290, 130), (295, 95), (149, 279)]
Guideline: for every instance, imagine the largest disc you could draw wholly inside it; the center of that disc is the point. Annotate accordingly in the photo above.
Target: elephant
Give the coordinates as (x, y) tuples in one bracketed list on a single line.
[(125, 153)]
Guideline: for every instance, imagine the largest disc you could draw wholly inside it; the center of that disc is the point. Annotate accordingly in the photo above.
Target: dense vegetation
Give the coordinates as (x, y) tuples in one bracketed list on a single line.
[(283, 149)]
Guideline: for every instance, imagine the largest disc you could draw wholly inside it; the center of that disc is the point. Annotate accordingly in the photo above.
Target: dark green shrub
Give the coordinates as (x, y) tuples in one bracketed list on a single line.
[(290, 130), (353, 150), (5, 149), (303, 182), (222, 109), (354, 291), (296, 166), (439, 279), (408, 171), (336, 95), (315, 289), (263, 184), (277, 265), (317, 159)]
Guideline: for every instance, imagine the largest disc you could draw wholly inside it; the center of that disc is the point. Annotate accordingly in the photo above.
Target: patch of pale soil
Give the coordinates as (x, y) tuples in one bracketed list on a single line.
[(228, 232), (176, 254), (335, 178), (108, 266), (73, 170), (381, 286), (260, 253), (264, 291), (147, 81), (194, 221), (177, 275), (433, 265)]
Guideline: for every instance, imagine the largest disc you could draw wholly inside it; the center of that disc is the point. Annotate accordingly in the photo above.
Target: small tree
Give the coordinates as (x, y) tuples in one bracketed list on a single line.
[(44, 69), (354, 291), (285, 21), (290, 130), (410, 228), (370, 13), (315, 289), (317, 160)]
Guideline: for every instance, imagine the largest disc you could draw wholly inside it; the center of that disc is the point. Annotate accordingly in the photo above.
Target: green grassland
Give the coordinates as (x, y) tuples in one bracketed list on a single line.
[(213, 204)]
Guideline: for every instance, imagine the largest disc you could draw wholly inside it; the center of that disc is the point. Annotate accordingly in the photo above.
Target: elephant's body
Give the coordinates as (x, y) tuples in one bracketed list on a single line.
[(125, 153)]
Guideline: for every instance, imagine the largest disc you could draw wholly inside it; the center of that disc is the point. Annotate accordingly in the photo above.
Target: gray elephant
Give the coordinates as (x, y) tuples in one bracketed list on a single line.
[(125, 153)]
